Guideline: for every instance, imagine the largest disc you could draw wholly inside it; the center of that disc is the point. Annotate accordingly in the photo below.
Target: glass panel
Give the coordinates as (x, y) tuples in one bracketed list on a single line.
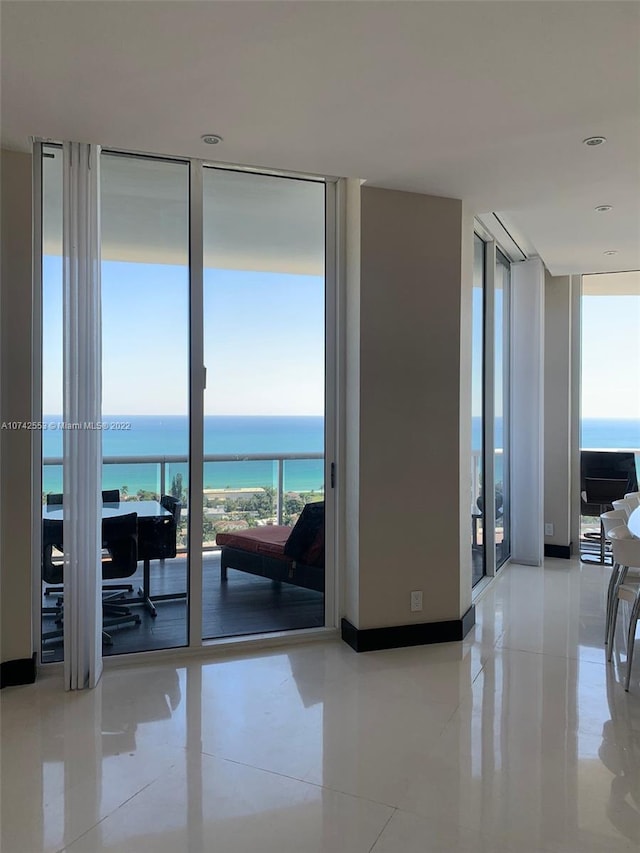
[(264, 324), (145, 394), (501, 408), (52, 469), (477, 408), (610, 396)]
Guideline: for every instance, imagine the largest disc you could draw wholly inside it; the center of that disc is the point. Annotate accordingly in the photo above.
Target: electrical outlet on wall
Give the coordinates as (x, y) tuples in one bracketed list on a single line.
[(548, 529), (416, 600)]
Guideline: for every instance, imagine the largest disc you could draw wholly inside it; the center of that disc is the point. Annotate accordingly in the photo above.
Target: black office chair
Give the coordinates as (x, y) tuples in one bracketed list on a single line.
[(112, 496), (52, 572), (120, 539), (109, 496), (599, 493), (173, 506), (54, 499), (157, 540)]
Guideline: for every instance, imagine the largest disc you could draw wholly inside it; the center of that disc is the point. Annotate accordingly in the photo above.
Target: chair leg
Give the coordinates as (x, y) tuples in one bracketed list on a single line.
[(620, 579), (631, 637), (610, 590), (612, 632), (52, 635), (112, 587)]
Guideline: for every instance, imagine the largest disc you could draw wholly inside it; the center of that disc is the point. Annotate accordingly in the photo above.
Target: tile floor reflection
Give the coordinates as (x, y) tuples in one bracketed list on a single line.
[(518, 739)]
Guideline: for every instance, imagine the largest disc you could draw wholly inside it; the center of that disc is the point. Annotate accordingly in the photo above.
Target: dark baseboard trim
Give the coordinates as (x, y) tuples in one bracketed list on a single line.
[(14, 672), (397, 636), (562, 551)]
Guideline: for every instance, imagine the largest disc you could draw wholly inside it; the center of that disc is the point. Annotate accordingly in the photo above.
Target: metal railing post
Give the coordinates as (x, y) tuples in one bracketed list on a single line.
[(280, 489), (163, 477)]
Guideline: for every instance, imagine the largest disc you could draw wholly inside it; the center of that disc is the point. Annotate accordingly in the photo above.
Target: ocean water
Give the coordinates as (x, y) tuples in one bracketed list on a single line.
[(168, 435), (162, 435), (596, 434)]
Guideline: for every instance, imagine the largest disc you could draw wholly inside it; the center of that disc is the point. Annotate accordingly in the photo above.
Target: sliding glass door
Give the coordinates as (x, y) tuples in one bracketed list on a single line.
[(490, 378), (264, 424), (501, 378), (259, 274), (52, 556), (478, 539), (145, 389)]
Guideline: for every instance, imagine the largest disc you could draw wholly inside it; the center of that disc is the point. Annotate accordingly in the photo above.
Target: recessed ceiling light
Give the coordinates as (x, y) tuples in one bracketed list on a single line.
[(594, 140), (211, 138), (611, 252), (604, 208)]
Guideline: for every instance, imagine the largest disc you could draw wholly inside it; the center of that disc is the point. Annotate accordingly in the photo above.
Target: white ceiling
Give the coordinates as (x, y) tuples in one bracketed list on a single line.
[(485, 101)]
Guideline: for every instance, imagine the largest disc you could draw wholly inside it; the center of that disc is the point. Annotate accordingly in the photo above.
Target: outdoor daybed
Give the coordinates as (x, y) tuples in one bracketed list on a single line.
[(293, 555)]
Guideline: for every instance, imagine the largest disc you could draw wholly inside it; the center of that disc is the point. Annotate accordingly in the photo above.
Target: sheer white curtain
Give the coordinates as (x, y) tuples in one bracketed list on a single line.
[(82, 449)]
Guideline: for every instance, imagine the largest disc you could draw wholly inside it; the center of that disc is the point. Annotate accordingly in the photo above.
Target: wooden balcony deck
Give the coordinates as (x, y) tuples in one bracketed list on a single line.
[(244, 605)]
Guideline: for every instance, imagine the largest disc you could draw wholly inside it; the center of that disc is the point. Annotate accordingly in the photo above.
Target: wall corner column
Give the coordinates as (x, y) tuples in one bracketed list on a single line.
[(16, 642), (408, 468)]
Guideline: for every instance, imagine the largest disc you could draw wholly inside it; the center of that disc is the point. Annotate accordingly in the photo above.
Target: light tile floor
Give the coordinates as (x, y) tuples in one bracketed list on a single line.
[(519, 739)]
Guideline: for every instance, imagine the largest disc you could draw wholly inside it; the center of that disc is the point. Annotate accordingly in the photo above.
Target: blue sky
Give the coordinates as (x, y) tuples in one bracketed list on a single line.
[(264, 343), (611, 357), (264, 340)]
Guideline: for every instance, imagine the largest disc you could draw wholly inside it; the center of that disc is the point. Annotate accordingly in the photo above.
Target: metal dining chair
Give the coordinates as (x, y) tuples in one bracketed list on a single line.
[(610, 521), (603, 493), (624, 505), (626, 554), (633, 499)]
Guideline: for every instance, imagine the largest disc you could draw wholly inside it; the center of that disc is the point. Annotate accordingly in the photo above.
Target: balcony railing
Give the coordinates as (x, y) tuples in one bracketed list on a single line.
[(279, 459), (163, 462)]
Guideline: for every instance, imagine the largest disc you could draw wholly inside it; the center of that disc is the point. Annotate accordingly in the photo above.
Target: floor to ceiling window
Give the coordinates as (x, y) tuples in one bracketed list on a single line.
[(501, 380), (52, 468), (260, 275), (610, 396), (264, 425), (145, 404), (478, 550), (490, 378), (145, 386)]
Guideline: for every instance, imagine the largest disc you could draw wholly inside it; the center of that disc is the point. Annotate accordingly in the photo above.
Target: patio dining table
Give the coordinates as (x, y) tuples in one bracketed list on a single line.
[(148, 513)]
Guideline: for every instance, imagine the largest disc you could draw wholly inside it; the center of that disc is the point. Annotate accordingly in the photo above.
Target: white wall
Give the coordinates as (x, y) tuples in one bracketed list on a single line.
[(352, 402), (409, 465), (15, 405)]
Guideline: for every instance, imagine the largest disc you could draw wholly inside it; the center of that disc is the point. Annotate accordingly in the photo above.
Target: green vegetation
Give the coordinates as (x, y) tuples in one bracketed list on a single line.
[(177, 491)]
